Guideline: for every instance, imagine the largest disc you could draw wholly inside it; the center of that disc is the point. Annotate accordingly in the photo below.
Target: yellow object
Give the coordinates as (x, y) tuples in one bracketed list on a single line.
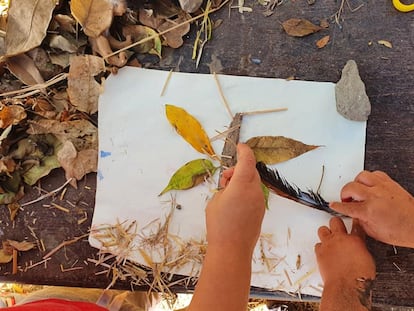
[(189, 128), (403, 7)]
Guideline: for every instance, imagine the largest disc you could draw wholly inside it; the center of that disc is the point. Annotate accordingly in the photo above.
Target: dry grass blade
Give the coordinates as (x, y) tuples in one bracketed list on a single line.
[(164, 253), (152, 37)]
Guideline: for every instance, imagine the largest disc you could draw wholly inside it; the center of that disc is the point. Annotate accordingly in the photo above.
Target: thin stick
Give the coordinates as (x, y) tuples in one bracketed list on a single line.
[(61, 208), (37, 263), (250, 113), (63, 244), (47, 195), (166, 83), (14, 271), (37, 87), (154, 36), (223, 98), (288, 277)]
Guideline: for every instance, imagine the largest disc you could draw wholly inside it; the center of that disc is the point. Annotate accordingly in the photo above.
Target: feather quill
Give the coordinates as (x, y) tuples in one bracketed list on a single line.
[(279, 185)]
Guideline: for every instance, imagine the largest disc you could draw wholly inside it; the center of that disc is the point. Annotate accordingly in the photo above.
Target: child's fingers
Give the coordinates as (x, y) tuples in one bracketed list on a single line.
[(357, 229), (324, 232), (370, 178), (245, 169), (226, 176), (351, 209), (355, 191), (337, 225)]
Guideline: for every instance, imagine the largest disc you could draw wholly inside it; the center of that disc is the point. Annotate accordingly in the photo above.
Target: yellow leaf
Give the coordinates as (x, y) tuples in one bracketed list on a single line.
[(189, 128), (95, 16), (276, 149), (385, 43)]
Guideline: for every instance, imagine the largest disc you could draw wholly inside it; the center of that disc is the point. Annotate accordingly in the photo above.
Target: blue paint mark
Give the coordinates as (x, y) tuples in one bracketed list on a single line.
[(105, 154), (100, 175)]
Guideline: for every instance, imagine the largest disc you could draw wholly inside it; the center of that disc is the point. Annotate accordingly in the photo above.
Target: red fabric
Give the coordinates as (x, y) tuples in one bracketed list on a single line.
[(57, 305)]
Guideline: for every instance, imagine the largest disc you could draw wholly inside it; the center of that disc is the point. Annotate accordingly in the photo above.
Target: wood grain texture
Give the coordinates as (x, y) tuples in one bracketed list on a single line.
[(253, 45)]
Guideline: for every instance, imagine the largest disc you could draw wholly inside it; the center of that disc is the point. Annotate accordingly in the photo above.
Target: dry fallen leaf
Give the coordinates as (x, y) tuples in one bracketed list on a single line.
[(385, 43), (63, 43), (11, 115), (139, 32), (5, 257), (276, 149), (77, 164), (22, 246), (27, 23), (82, 133), (299, 27), (321, 43), (24, 69), (189, 128), (83, 90), (95, 16)]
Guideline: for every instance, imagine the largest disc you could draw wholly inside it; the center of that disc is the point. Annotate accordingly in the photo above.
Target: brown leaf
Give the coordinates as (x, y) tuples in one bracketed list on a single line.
[(83, 90), (11, 115), (77, 164), (297, 27), (5, 257), (276, 149), (139, 32), (95, 16), (27, 24), (63, 43), (82, 133), (321, 43), (22, 246), (174, 38), (24, 69), (66, 23)]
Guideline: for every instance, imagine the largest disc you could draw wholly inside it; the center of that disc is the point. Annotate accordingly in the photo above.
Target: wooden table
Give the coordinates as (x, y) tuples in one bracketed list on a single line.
[(254, 45)]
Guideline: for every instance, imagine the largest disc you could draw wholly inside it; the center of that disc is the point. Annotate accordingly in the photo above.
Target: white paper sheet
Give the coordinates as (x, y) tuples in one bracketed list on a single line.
[(139, 151)]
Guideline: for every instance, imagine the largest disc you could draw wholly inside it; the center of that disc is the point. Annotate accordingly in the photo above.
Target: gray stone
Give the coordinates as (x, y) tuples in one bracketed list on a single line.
[(190, 6), (352, 101)]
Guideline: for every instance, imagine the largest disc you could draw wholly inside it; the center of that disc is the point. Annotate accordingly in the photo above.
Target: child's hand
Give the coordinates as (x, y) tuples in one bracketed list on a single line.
[(346, 267), (384, 209), (234, 215), (341, 255)]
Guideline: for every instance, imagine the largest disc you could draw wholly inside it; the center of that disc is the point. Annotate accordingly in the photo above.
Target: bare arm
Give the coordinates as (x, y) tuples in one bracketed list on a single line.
[(234, 217)]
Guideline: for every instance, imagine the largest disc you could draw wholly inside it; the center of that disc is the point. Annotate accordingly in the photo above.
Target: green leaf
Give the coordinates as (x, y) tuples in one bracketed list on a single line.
[(38, 171), (266, 194), (190, 174)]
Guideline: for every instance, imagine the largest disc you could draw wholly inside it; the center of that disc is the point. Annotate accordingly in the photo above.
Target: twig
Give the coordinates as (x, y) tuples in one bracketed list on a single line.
[(63, 244), (61, 208), (250, 113), (37, 87), (164, 88), (318, 191), (37, 263), (223, 98), (154, 36), (47, 195), (14, 271)]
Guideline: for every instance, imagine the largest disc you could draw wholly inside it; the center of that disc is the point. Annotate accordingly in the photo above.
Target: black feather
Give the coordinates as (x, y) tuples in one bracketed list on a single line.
[(278, 184)]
